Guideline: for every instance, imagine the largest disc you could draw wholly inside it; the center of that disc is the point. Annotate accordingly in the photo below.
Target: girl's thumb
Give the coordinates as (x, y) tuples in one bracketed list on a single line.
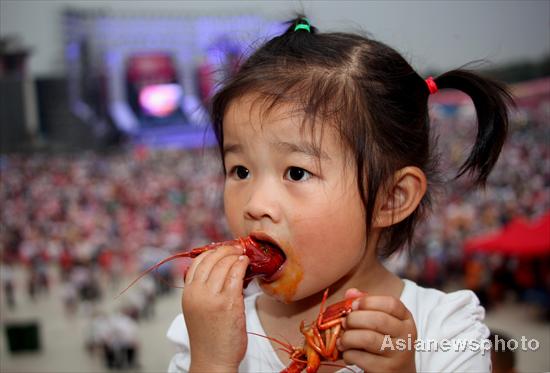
[(353, 293)]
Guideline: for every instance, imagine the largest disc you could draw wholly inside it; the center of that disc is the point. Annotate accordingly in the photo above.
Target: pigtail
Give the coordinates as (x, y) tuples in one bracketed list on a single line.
[(298, 20), (295, 41), (491, 101)]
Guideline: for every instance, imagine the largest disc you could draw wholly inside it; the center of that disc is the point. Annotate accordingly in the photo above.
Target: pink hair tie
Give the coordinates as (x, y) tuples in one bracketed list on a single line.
[(431, 85)]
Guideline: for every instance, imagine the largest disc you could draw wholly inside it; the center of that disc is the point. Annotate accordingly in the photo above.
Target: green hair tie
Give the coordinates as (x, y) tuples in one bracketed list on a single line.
[(303, 26)]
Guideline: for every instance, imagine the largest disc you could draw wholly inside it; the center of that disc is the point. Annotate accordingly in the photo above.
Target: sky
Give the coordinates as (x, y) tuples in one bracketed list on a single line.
[(438, 35)]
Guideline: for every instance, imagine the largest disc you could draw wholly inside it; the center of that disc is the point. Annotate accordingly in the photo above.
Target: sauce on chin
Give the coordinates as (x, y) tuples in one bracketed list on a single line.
[(284, 288)]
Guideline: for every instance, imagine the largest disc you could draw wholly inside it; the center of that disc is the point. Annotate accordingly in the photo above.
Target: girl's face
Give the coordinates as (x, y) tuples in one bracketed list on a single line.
[(285, 185)]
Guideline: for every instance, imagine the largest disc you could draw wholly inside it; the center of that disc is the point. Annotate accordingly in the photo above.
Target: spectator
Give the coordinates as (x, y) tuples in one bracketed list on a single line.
[(503, 359)]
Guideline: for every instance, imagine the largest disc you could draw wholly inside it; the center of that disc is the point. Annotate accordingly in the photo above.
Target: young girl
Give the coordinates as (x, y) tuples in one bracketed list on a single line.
[(326, 146)]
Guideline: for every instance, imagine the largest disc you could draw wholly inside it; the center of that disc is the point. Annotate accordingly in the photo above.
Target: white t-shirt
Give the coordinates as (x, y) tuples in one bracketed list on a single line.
[(456, 317)]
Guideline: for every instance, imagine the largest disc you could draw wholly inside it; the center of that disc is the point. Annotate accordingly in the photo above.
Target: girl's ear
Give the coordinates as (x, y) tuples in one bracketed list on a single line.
[(403, 197)]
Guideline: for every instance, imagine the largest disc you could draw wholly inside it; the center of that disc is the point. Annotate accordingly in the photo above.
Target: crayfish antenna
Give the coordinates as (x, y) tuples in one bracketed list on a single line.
[(287, 346), (151, 269), (284, 350)]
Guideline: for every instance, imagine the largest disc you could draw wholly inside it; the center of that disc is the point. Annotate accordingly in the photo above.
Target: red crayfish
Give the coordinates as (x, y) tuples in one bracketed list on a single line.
[(320, 338), (265, 258)]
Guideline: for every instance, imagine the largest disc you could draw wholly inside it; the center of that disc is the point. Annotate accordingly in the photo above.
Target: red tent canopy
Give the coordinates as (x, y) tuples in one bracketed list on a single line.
[(519, 238)]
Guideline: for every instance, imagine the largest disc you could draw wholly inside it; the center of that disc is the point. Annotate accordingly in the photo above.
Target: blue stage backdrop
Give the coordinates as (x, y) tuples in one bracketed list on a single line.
[(151, 75)]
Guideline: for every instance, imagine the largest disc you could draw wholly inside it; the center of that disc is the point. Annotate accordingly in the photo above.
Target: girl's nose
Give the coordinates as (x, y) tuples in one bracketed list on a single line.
[(263, 204)]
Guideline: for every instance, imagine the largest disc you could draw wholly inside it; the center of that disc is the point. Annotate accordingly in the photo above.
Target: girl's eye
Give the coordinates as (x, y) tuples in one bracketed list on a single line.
[(297, 174), (240, 171)]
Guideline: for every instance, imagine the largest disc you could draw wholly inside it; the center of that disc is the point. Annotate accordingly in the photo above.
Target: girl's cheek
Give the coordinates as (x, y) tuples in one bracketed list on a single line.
[(232, 212)]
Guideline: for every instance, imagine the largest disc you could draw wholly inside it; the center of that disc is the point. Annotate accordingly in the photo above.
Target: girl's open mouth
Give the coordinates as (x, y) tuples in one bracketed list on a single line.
[(270, 262), (276, 275)]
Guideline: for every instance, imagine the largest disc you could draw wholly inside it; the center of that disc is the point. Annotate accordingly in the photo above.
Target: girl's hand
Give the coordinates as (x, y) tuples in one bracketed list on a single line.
[(213, 308), (368, 329)]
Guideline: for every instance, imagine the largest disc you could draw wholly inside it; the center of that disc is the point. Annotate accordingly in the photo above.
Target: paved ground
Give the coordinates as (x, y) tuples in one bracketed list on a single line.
[(63, 339)]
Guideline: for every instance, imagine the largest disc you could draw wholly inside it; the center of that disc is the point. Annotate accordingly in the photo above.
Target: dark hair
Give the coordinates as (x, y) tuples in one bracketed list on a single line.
[(376, 101)]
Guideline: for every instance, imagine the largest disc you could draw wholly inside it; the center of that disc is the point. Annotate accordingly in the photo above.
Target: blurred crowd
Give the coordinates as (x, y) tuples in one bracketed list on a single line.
[(99, 217), (519, 186)]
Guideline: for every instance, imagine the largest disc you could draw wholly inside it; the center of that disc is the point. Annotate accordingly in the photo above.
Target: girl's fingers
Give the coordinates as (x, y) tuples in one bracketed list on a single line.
[(387, 304), (190, 273), (203, 269), (363, 339), (220, 272), (235, 277), (377, 321), (353, 293)]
